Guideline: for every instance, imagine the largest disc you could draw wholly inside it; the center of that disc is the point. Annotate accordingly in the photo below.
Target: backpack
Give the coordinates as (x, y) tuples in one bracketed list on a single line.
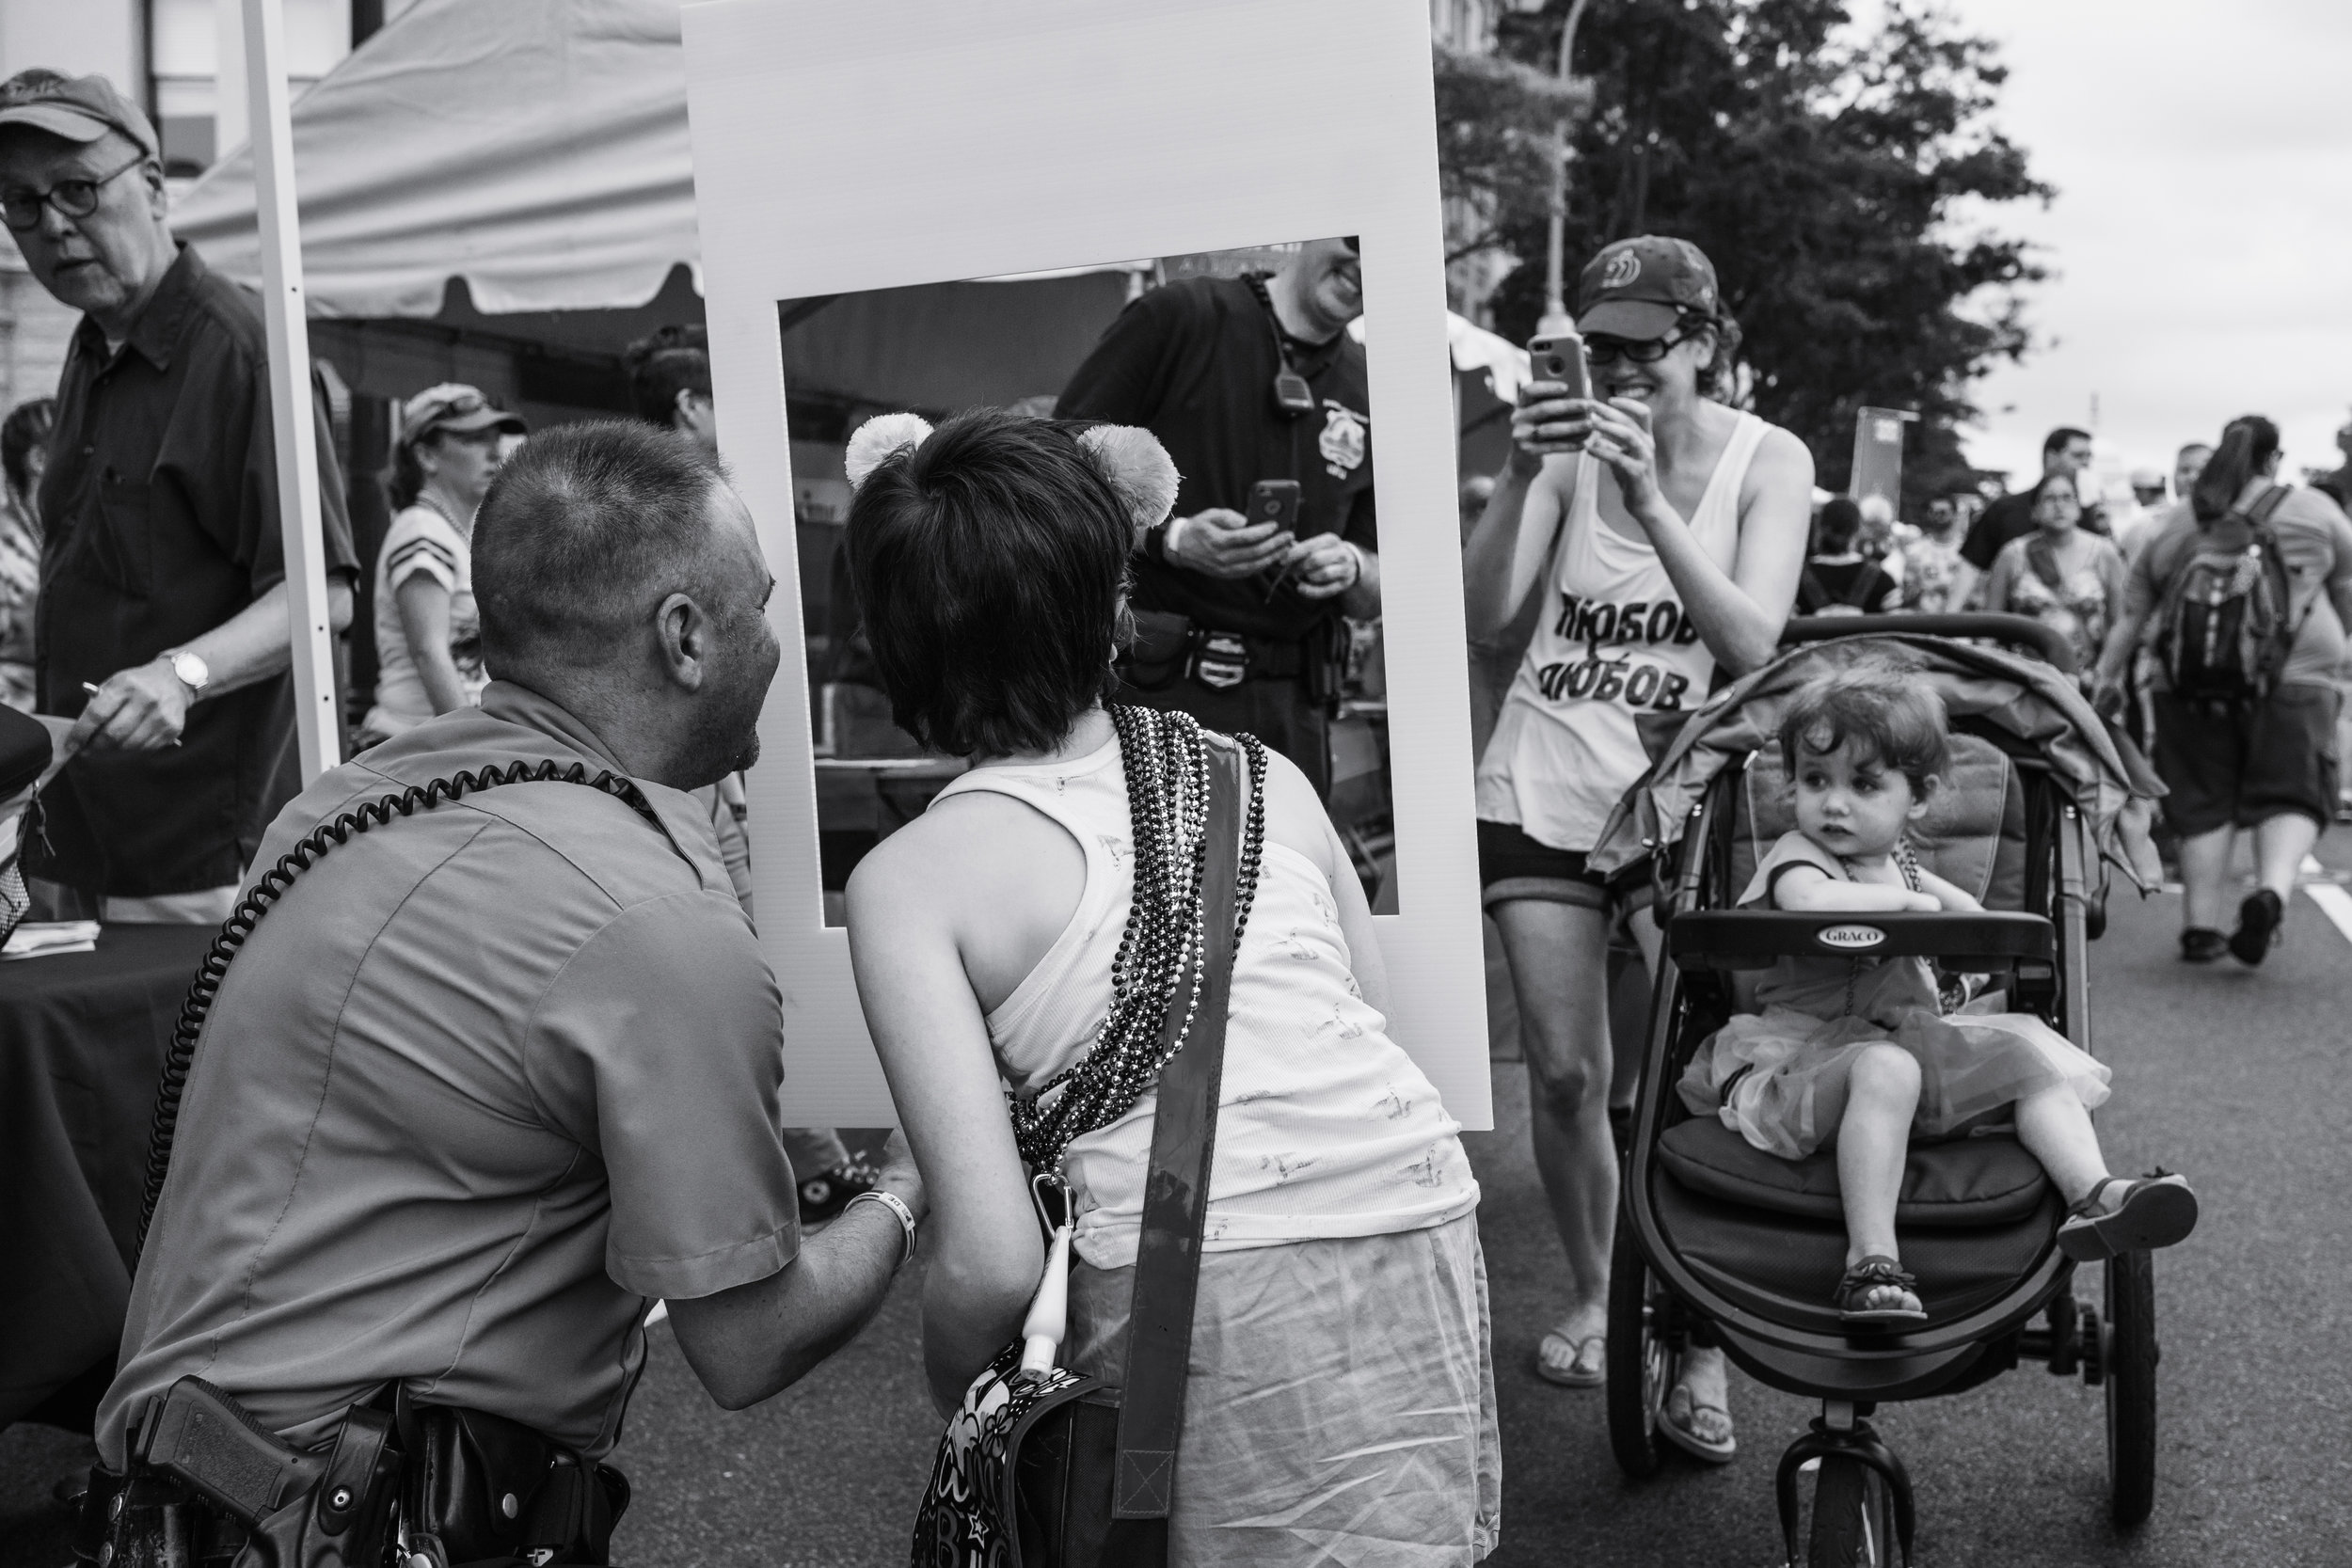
[(2222, 631)]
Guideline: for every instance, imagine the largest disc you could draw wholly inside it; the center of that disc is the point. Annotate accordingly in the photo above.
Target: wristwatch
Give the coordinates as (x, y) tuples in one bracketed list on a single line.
[(191, 671)]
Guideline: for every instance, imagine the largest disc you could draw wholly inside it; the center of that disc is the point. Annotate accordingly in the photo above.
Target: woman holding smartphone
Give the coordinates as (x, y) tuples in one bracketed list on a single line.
[(1667, 533)]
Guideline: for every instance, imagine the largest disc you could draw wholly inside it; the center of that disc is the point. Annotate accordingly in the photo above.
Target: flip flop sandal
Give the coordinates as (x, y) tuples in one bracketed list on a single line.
[(1575, 1370), (2157, 1210), (1875, 1273), (1686, 1438)]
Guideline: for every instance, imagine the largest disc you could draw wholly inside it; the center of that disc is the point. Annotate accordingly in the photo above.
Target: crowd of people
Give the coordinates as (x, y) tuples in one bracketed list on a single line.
[(540, 1093)]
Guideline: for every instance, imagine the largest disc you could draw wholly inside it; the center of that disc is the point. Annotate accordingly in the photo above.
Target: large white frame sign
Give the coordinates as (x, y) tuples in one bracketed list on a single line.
[(896, 142)]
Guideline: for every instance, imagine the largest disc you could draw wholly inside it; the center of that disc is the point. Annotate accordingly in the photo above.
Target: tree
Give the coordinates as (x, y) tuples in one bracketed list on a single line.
[(1831, 173)]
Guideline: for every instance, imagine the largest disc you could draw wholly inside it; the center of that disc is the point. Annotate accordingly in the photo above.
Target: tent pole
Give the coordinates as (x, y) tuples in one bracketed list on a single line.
[(312, 641)]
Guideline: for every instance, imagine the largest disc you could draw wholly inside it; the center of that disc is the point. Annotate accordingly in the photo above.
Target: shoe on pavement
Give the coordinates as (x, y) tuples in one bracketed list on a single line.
[(827, 1193), (2258, 921), (2202, 945)]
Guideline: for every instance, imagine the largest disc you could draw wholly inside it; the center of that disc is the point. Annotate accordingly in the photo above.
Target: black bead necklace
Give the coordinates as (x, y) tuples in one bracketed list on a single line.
[(1164, 946)]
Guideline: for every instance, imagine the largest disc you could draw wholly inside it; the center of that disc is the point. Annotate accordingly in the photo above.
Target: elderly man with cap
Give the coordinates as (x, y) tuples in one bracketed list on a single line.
[(428, 636), (1664, 531), (162, 618)]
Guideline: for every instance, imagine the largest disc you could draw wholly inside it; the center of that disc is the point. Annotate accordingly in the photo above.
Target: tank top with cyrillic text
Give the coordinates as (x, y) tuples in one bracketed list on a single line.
[(1614, 645)]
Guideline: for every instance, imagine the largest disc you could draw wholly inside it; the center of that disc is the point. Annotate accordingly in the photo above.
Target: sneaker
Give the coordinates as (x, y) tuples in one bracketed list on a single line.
[(827, 1193), (2202, 945), (2257, 931)]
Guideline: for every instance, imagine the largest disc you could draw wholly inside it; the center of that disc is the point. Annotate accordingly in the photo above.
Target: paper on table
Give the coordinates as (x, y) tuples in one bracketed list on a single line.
[(43, 938)]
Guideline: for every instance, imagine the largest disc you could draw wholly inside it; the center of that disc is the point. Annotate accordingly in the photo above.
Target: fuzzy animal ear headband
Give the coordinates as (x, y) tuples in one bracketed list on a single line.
[(1131, 461)]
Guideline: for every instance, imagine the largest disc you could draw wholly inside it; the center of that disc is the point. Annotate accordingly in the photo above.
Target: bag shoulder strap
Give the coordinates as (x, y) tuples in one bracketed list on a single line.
[(1176, 1191), (2043, 560)]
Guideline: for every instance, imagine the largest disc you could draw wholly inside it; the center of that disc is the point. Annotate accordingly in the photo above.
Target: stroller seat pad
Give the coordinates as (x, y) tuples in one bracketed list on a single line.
[(1957, 1184)]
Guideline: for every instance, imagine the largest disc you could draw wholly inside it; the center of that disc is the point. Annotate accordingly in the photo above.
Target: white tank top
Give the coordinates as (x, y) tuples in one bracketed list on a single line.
[(1614, 644), (1324, 1127)]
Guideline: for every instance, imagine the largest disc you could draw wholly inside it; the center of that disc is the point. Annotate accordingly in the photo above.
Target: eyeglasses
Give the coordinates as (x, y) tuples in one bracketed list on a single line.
[(77, 198), (1645, 351)]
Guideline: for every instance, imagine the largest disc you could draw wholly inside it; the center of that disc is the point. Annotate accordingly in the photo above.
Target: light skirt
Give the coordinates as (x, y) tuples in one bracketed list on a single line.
[(1971, 1064), (1341, 1407)]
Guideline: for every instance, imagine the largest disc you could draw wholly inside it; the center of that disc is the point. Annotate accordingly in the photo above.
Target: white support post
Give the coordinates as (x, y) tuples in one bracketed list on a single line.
[(282, 314)]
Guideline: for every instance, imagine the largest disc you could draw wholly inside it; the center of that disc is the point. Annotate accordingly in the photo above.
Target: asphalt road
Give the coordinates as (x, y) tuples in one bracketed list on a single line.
[(2235, 1077)]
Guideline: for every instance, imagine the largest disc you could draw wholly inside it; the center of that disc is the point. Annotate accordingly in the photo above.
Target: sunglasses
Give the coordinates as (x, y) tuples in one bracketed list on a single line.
[(1645, 351), (19, 207)]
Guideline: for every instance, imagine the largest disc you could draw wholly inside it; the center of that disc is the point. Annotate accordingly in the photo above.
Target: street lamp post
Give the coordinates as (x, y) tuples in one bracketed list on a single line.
[(1555, 227)]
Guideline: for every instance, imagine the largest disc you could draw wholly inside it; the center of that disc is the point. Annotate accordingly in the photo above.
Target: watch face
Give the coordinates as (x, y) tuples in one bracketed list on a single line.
[(192, 671)]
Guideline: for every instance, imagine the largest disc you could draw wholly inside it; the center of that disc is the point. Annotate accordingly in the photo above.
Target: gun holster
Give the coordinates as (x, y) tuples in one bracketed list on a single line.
[(209, 1483), (210, 1486)]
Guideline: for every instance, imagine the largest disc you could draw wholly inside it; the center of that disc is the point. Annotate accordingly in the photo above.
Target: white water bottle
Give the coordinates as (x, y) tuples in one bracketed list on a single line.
[(1048, 1322)]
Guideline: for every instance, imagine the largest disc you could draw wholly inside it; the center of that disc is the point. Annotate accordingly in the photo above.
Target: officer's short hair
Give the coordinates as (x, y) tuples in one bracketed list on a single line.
[(582, 532), (990, 562)]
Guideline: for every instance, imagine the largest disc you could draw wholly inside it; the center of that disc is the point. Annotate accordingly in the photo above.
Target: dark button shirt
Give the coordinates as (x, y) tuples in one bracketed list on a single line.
[(160, 510), (1194, 363)]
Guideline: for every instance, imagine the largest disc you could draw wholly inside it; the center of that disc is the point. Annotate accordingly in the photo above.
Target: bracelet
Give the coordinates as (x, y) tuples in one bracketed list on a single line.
[(896, 1205)]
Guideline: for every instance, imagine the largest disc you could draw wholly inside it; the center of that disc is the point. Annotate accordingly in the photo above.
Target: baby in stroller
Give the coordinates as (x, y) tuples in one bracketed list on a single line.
[(1863, 1052)]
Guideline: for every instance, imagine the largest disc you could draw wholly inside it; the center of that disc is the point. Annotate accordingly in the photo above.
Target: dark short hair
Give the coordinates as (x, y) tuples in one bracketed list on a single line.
[(1892, 710), (990, 562), (669, 360), (2063, 436), (582, 526), (1840, 520), (27, 426)]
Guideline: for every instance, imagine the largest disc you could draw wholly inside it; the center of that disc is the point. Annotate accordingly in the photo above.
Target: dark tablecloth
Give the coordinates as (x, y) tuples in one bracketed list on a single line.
[(81, 1040)]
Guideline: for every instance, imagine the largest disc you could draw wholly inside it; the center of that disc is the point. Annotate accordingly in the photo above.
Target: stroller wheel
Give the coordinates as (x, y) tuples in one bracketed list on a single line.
[(1853, 1518), (2130, 1366), (1643, 1360)]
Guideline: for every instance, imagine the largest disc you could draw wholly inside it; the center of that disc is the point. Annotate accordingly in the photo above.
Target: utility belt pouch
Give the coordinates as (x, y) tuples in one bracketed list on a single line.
[(1160, 651), (482, 1488), (1324, 653)]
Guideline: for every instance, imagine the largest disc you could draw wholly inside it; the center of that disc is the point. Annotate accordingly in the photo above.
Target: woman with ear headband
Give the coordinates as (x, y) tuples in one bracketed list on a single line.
[(1341, 1400)]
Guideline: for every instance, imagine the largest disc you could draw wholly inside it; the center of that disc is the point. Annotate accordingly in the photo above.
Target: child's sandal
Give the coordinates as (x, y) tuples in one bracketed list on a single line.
[(2157, 1210), (1872, 1274)]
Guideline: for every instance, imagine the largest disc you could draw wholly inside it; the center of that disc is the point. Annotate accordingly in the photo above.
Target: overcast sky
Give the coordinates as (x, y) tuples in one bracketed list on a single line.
[(2202, 239)]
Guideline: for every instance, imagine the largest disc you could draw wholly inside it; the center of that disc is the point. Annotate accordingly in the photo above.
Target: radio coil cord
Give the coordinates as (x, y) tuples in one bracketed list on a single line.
[(271, 886)]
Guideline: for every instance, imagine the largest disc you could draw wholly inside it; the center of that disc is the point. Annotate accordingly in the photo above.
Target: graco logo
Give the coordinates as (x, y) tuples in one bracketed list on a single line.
[(1850, 937)]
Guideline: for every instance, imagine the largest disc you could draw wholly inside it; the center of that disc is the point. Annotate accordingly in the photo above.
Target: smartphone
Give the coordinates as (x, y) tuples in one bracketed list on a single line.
[(1561, 357), (1275, 500)]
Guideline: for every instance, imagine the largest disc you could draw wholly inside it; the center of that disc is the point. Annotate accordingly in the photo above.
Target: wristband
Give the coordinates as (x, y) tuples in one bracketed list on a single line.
[(896, 1205)]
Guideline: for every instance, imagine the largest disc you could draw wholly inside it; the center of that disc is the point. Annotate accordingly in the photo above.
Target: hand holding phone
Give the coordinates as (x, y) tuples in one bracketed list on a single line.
[(1559, 357)]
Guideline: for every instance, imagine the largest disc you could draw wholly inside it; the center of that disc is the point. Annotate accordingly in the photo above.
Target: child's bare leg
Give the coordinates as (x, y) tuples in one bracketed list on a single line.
[(2055, 1129), (1873, 1137)]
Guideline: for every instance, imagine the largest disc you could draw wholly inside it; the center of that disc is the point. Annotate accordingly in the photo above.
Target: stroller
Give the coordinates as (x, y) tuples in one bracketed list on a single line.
[(1715, 1232)]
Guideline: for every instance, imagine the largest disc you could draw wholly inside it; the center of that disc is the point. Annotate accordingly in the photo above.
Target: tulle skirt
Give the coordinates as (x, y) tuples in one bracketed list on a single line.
[(1792, 1091)]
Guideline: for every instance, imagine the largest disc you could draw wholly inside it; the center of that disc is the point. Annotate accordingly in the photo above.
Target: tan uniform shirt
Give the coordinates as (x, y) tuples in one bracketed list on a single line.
[(485, 1079)]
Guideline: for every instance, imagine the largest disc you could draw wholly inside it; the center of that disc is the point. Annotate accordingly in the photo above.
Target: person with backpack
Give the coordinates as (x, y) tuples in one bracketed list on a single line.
[(2061, 574), (1838, 578), (2242, 597)]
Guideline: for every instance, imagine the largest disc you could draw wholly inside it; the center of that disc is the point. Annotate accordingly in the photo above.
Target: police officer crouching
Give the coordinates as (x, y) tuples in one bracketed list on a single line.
[(496, 1067), (1259, 393)]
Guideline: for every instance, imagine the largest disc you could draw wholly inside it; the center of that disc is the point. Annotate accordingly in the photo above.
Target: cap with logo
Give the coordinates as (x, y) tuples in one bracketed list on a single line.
[(77, 108), (454, 407), (1641, 287)]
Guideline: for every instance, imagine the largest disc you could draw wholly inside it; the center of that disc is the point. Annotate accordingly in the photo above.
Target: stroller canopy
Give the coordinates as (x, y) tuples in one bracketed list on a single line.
[(2110, 782)]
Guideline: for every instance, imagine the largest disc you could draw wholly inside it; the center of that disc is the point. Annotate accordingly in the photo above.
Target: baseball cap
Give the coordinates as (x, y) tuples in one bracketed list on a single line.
[(78, 108), (1641, 287), (453, 406)]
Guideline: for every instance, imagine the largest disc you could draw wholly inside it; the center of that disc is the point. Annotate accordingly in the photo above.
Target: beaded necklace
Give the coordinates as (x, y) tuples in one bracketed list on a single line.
[(1165, 944)]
